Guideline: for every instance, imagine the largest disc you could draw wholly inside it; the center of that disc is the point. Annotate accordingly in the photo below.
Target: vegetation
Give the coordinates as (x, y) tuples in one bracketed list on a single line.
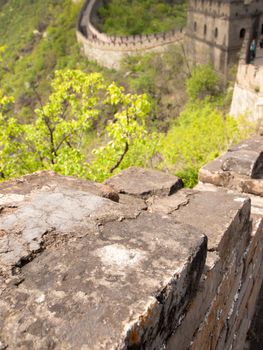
[(199, 135), (162, 77), (65, 117), (57, 137), (39, 37), (203, 82), (142, 16)]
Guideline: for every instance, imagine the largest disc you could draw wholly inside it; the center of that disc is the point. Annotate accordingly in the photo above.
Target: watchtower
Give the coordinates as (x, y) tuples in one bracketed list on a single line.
[(216, 29)]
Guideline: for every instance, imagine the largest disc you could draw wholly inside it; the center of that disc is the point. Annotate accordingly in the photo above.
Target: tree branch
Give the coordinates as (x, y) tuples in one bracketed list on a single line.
[(121, 158), (61, 142)]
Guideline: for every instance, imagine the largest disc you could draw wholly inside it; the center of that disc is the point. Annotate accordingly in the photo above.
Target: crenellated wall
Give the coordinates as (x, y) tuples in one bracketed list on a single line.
[(248, 90), (109, 50), (216, 30), (135, 263)]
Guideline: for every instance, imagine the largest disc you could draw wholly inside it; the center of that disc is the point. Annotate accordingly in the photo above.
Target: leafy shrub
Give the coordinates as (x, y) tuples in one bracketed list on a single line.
[(200, 134), (204, 81), (57, 138)]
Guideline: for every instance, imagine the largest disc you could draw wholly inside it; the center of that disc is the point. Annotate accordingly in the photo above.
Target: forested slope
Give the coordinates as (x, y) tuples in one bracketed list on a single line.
[(131, 17), (39, 37), (169, 116)]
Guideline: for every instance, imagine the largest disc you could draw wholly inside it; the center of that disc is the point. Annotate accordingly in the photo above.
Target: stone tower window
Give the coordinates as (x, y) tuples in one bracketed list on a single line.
[(195, 26), (242, 33), (205, 29), (216, 32)]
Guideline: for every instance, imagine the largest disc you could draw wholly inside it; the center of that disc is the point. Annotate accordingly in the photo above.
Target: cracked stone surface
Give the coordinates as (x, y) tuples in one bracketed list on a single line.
[(219, 215), (248, 156), (240, 169), (26, 219), (145, 183), (97, 266), (80, 271)]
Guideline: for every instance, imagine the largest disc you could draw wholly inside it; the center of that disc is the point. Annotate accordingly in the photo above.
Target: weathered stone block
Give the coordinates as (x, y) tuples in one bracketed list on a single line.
[(92, 273), (27, 219), (190, 206), (223, 217), (242, 162), (215, 321), (145, 182), (253, 144), (199, 305), (244, 159), (255, 241), (240, 337), (240, 169)]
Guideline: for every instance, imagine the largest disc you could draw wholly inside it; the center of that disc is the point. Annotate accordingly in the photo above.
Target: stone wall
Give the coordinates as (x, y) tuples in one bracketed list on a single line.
[(109, 50), (248, 92), (216, 30), (214, 34), (135, 263)]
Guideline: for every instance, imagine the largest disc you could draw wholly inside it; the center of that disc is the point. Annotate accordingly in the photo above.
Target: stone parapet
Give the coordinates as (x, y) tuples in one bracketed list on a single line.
[(248, 90), (98, 46), (134, 263)]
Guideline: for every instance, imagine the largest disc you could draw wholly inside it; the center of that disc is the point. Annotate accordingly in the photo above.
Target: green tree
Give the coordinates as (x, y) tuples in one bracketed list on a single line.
[(57, 136), (204, 81), (11, 149), (125, 132)]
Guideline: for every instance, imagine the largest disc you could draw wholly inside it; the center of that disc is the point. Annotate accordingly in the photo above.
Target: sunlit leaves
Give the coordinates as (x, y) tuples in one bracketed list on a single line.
[(57, 136), (124, 131)]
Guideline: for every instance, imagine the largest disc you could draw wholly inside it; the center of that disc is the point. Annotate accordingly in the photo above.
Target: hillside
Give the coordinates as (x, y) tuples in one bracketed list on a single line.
[(39, 37), (142, 17), (44, 40), (180, 124)]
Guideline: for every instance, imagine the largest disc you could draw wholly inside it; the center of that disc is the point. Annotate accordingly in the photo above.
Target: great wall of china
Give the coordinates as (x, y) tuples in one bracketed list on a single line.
[(135, 263), (109, 50), (248, 90)]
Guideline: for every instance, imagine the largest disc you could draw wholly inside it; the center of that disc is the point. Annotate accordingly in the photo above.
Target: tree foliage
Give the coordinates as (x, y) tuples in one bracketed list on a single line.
[(200, 134), (142, 16), (58, 132), (126, 131), (57, 137), (204, 81)]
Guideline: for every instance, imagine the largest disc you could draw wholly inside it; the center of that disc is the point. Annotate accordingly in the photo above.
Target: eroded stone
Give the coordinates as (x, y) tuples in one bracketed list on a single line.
[(144, 182), (83, 272), (222, 217)]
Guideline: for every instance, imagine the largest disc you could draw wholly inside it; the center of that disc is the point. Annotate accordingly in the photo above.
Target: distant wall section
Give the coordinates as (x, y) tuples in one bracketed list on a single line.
[(216, 30), (248, 92), (109, 50)]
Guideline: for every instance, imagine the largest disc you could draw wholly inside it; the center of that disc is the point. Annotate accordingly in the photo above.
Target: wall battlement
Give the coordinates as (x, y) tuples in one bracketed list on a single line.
[(248, 90), (109, 50), (215, 33), (216, 30), (135, 263)]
